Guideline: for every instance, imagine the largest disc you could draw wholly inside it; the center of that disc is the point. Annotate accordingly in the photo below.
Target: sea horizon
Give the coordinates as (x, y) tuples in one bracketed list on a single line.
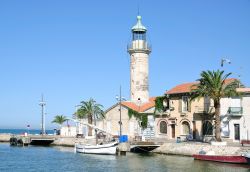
[(24, 130)]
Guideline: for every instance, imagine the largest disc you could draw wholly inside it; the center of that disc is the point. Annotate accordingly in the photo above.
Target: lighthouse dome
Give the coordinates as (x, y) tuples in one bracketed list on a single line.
[(139, 26)]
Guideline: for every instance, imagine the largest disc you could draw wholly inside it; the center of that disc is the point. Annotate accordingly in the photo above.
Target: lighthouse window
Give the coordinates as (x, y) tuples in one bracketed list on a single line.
[(139, 36)]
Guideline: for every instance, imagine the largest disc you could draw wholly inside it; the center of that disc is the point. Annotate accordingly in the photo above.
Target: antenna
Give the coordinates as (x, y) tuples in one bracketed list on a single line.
[(239, 75), (138, 9)]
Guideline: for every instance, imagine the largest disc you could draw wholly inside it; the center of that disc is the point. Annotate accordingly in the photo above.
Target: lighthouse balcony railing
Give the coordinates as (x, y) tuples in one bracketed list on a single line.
[(139, 46)]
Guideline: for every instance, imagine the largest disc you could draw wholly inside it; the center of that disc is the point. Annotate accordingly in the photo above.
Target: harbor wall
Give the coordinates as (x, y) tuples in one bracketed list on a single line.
[(5, 137), (188, 149), (66, 141)]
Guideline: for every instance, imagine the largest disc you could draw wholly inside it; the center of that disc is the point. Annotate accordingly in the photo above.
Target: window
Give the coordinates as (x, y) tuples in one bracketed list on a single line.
[(139, 36), (207, 128), (184, 104), (163, 127), (185, 128)]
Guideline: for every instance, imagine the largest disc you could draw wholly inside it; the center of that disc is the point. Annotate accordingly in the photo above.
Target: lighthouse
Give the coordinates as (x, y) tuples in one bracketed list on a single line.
[(139, 51)]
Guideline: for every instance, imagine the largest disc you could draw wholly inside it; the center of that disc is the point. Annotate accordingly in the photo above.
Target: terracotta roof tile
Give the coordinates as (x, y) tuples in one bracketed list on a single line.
[(141, 108), (186, 87), (243, 90)]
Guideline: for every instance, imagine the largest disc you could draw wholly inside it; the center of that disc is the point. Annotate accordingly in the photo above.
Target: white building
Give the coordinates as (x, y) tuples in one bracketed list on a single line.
[(235, 116), (68, 131)]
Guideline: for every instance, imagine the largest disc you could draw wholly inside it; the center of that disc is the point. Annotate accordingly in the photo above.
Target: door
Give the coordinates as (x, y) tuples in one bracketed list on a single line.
[(194, 130), (237, 131), (173, 130)]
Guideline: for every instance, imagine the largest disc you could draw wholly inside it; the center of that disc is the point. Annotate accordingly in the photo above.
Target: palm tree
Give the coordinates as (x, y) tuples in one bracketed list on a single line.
[(59, 119), (91, 110), (215, 85)]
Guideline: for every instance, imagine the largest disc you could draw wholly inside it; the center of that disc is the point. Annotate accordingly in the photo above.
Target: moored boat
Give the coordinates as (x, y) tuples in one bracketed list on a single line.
[(247, 156), (105, 149), (222, 158)]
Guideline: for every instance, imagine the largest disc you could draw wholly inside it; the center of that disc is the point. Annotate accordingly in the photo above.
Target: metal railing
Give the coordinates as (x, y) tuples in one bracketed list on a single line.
[(204, 109), (139, 46), (235, 111)]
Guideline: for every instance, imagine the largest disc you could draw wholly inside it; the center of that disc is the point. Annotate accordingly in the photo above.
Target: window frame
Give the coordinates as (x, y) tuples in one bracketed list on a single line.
[(185, 104), (188, 125), (166, 127)]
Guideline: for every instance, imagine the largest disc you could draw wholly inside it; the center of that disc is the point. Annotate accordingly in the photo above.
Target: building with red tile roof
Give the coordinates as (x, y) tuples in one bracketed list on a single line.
[(140, 108), (187, 87)]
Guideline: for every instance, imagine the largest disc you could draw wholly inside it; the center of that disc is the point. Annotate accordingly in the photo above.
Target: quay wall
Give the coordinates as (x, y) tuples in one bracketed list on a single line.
[(67, 141), (183, 148), (5, 137), (188, 149)]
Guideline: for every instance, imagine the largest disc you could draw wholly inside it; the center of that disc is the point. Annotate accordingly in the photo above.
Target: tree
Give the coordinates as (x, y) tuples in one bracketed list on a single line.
[(91, 110), (59, 119), (215, 85)]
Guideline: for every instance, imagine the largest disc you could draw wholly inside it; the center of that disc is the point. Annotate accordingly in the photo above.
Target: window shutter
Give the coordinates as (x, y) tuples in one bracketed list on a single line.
[(180, 105), (189, 105)]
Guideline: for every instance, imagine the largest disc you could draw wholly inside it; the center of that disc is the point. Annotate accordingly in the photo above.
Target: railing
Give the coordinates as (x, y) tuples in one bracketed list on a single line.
[(204, 109), (139, 45), (235, 111)]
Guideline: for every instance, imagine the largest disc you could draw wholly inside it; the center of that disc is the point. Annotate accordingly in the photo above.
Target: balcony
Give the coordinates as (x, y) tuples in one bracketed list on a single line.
[(203, 109), (235, 111), (139, 46)]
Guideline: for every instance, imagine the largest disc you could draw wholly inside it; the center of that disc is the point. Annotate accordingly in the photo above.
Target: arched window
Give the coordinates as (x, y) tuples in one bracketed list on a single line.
[(207, 128), (185, 128), (163, 127)]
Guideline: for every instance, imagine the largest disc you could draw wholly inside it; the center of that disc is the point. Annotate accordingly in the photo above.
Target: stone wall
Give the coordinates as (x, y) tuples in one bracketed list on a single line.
[(189, 149), (5, 137)]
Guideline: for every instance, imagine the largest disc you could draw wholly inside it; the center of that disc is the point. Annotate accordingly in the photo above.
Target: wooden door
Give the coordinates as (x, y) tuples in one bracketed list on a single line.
[(173, 130), (237, 131), (194, 130)]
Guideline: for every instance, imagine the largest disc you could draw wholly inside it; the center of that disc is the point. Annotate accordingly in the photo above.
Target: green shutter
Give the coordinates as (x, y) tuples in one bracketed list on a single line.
[(180, 105), (189, 105)]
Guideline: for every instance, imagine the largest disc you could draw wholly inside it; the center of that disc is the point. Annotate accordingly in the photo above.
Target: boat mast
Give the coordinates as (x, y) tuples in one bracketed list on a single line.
[(42, 104)]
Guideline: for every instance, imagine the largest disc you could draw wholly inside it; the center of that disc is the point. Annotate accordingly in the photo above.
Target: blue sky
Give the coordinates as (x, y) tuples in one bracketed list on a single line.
[(73, 50)]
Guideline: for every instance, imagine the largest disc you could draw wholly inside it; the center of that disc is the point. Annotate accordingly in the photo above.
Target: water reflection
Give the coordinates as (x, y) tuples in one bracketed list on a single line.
[(57, 159)]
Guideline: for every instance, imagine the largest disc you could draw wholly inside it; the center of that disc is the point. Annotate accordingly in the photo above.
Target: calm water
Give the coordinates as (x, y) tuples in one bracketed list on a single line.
[(31, 158), (21, 131)]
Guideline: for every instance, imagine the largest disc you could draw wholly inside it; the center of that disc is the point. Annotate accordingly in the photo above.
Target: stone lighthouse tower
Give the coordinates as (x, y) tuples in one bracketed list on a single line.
[(139, 51)]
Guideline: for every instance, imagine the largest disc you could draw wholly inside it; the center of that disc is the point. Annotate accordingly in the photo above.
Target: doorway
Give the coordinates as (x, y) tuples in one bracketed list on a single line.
[(173, 130), (237, 131), (194, 130)]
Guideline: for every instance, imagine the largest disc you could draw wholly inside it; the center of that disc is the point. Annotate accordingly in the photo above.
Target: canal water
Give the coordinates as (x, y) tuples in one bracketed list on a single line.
[(63, 159)]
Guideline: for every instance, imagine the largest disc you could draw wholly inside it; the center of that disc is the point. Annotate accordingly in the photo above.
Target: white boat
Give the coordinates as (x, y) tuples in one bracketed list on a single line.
[(106, 149)]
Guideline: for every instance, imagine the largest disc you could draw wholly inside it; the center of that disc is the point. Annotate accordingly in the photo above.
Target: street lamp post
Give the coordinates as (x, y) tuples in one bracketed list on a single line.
[(42, 104), (120, 99)]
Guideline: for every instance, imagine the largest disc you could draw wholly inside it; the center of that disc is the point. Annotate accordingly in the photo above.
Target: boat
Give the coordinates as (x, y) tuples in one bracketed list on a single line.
[(105, 149), (237, 159), (41, 141), (247, 156), (109, 148)]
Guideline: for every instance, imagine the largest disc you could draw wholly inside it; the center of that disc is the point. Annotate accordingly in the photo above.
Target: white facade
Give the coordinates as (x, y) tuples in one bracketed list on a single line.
[(246, 117), (69, 131), (235, 117)]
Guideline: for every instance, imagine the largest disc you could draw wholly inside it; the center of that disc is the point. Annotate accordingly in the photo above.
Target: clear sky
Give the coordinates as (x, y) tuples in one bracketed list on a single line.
[(73, 50)]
